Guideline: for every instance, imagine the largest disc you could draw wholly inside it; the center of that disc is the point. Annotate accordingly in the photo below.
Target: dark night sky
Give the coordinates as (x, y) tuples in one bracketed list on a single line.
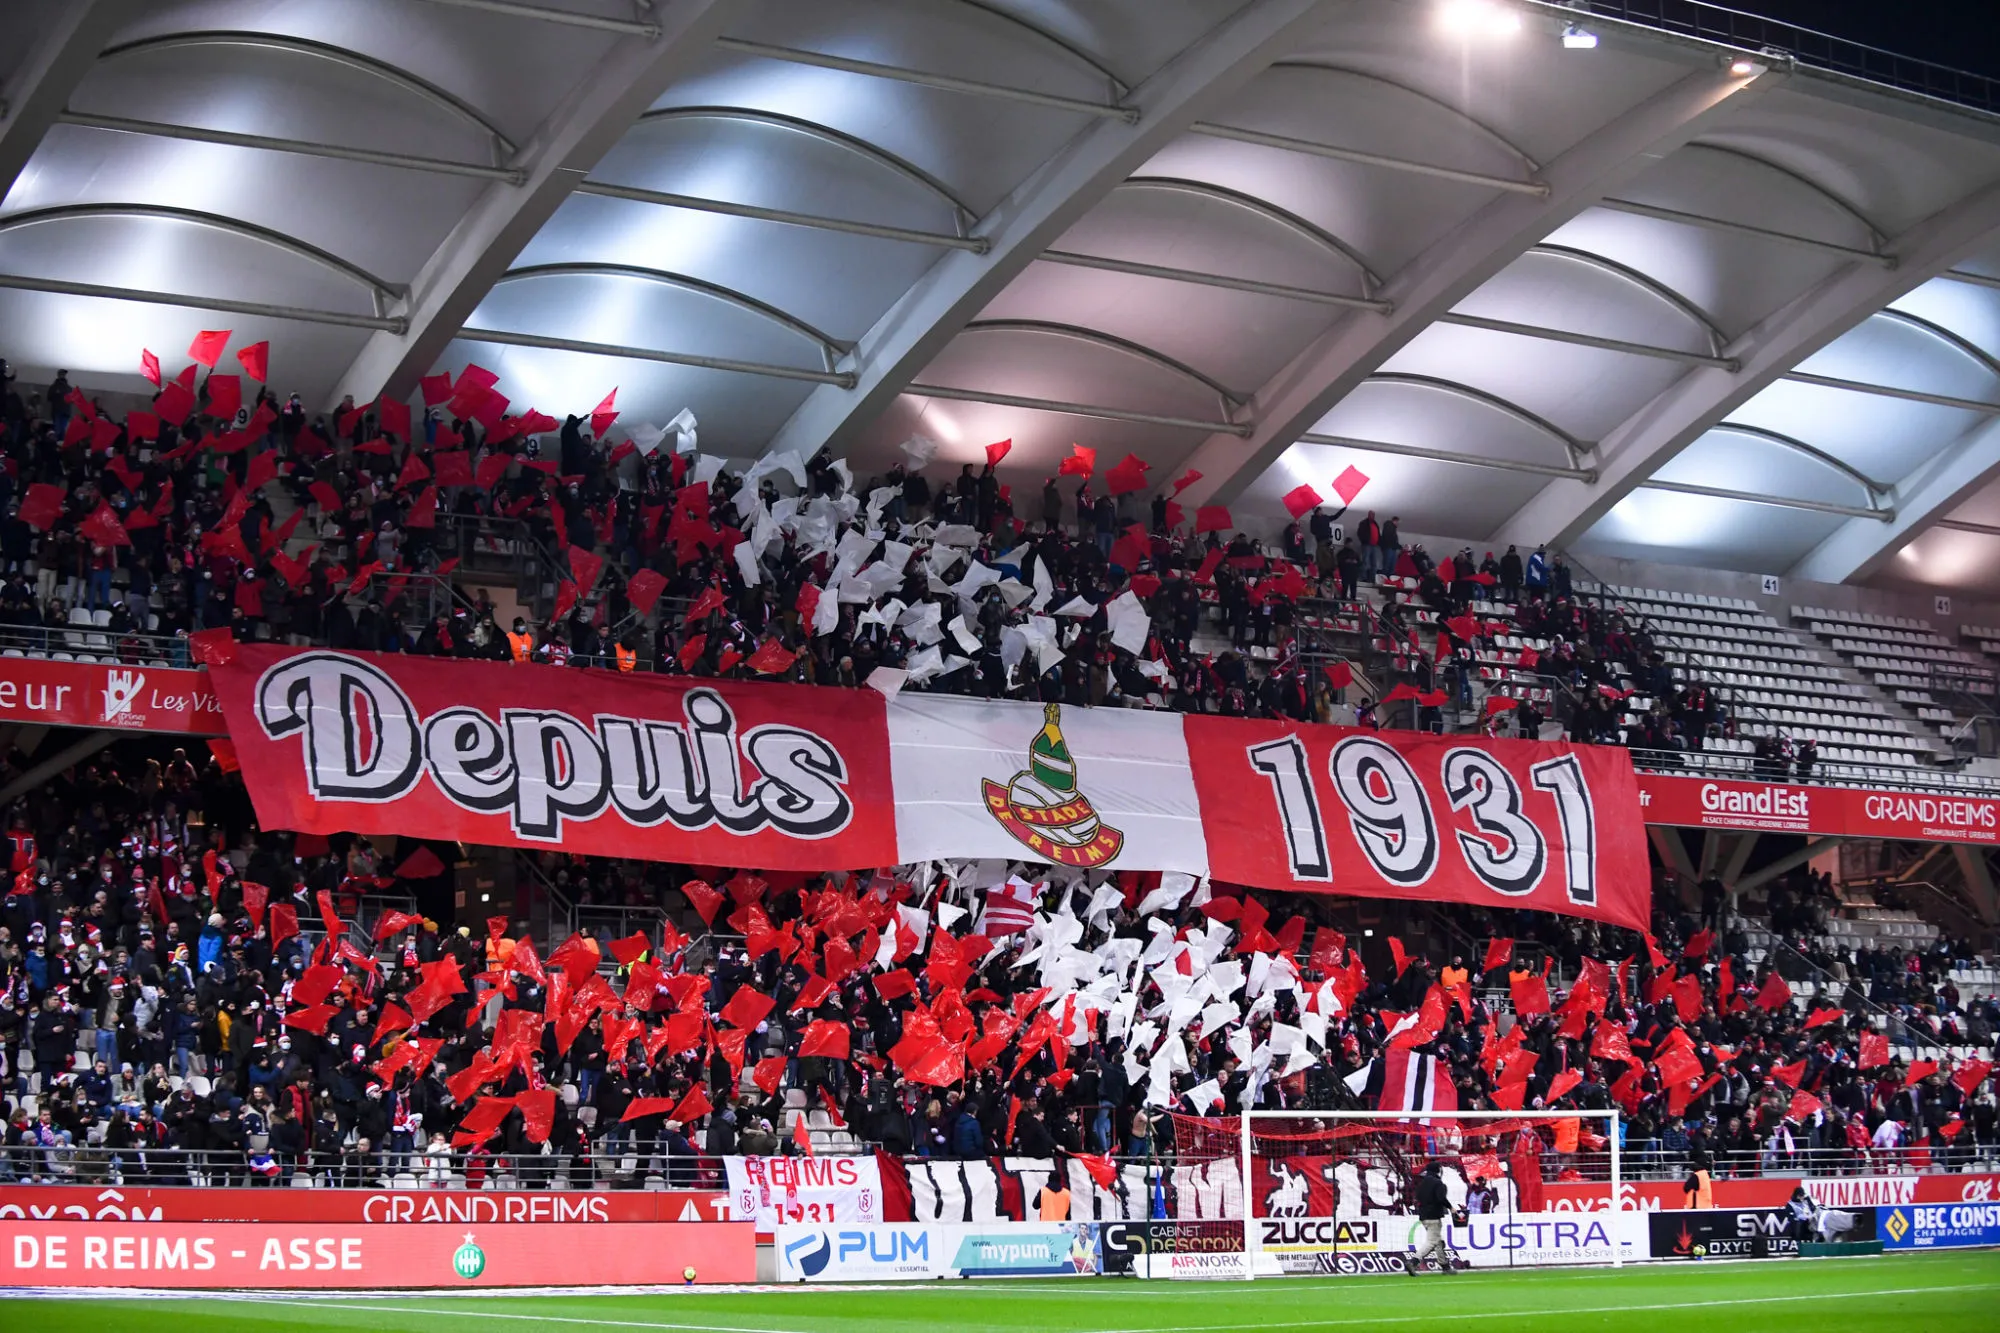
[(1963, 34)]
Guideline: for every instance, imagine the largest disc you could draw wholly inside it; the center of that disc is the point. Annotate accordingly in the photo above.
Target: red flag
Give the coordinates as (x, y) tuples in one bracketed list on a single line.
[(1804, 1104), (423, 863), (1349, 483), (423, 510), (1099, 1167), (747, 1007), (692, 1107), (1080, 463), (1775, 994), (149, 366), (1129, 475), (997, 451), (1560, 1086), (827, 1038), (1874, 1051), (208, 346), (1497, 704), (1530, 995), (394, 416), (643, 590), (802, 1136), (1970, 1075), (604, 414), (175, 404), (705, 899), (772, 658), (1611, 1043), (284, 923), (1919, 1071), (1212, 518), (585, 567), (711, 600), (103, 527), (1185, 480), (1397, 952), (645, 1106), (629, 949), (312, 1020), (213, 647), (1301, 500), (436, 388), (1498, 953), (255, 895), (1821, 1017), (43, 505), (1339, 675), (256, 361)]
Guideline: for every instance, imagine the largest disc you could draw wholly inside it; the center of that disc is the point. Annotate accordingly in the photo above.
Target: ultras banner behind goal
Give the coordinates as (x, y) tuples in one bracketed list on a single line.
[(1336, 1191)]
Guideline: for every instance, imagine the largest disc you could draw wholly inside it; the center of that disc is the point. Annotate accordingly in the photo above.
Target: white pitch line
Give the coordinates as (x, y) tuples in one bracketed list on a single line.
[(1436, 1318), (1368, 1320), (530, 1318)]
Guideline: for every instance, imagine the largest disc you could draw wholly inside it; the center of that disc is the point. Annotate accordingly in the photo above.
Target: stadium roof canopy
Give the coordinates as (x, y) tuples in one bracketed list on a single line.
[(1728, 294)]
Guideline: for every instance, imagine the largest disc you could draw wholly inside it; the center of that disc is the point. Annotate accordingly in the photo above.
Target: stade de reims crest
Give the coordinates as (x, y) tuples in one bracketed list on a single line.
[(1042, 806)]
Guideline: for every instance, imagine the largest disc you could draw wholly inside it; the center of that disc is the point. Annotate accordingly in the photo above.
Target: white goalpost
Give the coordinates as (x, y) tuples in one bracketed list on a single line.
[(1290, 1143)]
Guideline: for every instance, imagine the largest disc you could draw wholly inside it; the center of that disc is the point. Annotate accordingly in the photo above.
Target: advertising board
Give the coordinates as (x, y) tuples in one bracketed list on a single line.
[(1938, 1227), (69, 1203), (1492, 1240), (902, 1252), (265, 1256), (1737, 1233)]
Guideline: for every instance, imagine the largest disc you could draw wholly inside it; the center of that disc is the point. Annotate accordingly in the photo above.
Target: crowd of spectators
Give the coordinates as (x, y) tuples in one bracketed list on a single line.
[(337, 530), (162, 1004), (162, 1001)]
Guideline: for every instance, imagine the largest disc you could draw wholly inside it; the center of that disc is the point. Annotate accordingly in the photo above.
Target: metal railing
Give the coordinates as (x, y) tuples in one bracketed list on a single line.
[(639, 1161), (607, 921), (1809, 48), (625, 1157), (91, 643), (1823, 772)]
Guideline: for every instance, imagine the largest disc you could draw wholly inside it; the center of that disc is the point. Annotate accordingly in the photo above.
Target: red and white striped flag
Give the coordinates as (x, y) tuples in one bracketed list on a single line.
[(1415, 1082), (1010, 907)]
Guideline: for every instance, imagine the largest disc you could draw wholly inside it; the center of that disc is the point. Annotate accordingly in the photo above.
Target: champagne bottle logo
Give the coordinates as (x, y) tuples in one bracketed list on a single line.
[(1045, 809)]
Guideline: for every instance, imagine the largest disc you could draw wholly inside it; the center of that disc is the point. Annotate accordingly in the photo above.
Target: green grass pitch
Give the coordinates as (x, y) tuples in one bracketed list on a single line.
[(1929, 1293)]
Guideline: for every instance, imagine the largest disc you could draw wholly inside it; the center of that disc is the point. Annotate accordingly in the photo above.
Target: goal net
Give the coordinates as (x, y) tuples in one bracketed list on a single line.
[(1337, 1191)]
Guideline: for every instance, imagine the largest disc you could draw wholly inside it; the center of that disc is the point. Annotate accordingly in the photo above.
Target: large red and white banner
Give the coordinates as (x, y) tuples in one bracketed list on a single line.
[(1410, 815), (263, 1256), (1778, 807), (70, 1203), (654, 767), (48, 693), (791, 777)]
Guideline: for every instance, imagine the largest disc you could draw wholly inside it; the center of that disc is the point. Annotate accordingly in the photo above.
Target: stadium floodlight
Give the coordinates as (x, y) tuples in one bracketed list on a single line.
[(1478, 18), (1743, 67), (1577, 38)]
